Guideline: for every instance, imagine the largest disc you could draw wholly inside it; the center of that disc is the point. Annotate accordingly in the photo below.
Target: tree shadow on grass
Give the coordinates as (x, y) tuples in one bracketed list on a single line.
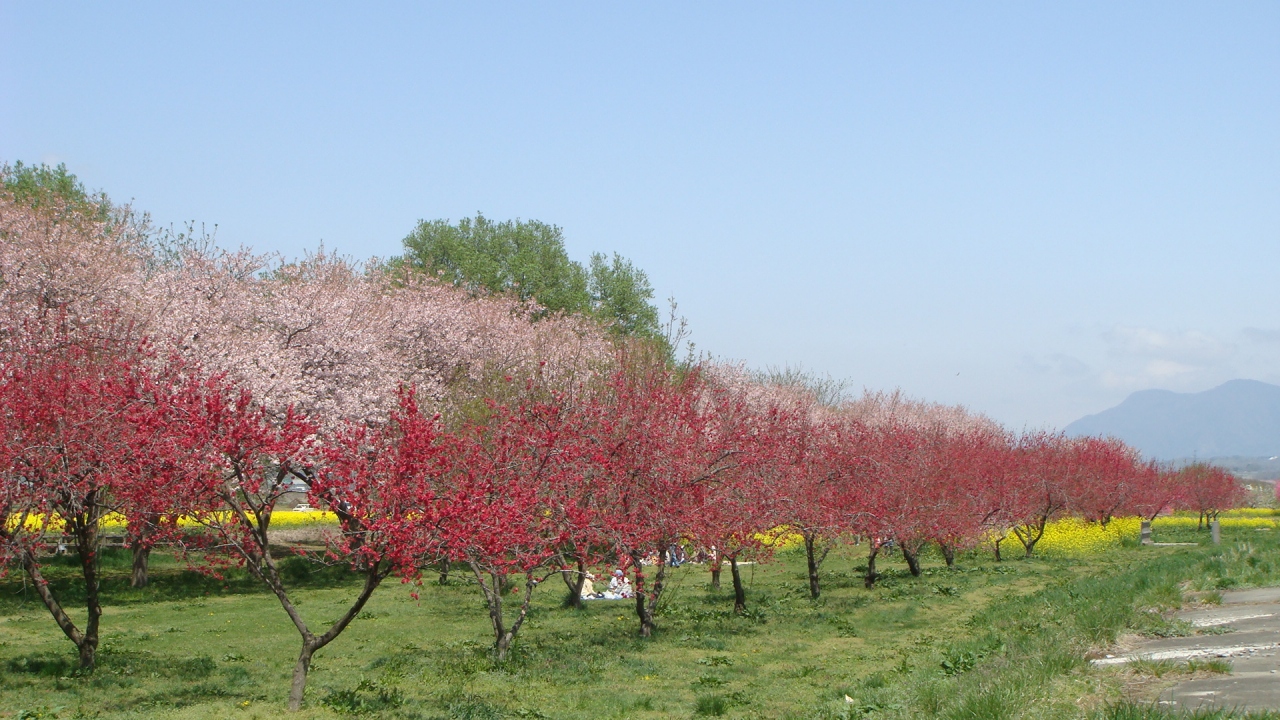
[(169, 581)]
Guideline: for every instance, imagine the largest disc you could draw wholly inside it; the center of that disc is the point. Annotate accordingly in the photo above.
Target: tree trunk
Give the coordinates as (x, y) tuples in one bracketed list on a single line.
[(870, 579), (503, 637), (948, 554), (87, 545), (300, 670), (502, 650), (913, 561), (254, 547), (141, 559), (575, 582), (141, 534), (85, 530), (263, 566), (492, 590), (444, 572), (739, 593), (810, 550), (997, 546), (1029, 535), (647, 601), (55, 608), (310, 642)]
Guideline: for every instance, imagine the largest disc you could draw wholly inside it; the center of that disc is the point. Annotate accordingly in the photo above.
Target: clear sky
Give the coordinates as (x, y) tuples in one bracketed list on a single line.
[(1029, 208)]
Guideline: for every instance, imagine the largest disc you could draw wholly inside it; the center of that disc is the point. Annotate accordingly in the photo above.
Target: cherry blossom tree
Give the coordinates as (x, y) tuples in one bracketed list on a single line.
[(58, 263)]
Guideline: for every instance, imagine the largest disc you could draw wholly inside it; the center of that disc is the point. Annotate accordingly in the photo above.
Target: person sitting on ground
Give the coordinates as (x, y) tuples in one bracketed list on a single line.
[(619, 587), (677, 556), (589, 588)]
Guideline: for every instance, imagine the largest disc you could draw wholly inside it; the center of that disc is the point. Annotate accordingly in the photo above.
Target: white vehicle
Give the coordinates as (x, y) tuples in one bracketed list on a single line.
[(301, 507)]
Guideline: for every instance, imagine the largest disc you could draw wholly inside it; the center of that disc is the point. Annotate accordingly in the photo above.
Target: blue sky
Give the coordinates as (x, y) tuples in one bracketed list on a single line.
[(1029, 208)]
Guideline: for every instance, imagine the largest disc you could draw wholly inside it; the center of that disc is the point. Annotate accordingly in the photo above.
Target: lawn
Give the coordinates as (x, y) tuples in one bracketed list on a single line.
[(982, 640)]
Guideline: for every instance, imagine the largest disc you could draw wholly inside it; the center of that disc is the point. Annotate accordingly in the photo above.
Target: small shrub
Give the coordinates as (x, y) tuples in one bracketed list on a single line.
[(48, 667), (1214, 665), (368, 696), (712, 705), (472, 708), (957, 662)]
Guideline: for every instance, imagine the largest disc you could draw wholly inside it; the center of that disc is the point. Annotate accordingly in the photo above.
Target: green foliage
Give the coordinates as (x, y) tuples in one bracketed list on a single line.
[(43, 186), (528, 258), (525, 257), (622, 296), (367, 697)]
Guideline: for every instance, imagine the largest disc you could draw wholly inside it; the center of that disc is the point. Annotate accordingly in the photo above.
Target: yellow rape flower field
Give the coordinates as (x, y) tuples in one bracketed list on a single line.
[(115, 522), (1072, 537), (1067, 537)]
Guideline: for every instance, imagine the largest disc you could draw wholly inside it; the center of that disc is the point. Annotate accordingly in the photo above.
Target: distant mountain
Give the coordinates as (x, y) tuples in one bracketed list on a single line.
[(1237, 418)]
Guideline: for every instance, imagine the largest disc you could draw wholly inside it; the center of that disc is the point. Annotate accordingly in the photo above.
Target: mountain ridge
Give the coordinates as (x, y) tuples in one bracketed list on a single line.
[(1236, 418)]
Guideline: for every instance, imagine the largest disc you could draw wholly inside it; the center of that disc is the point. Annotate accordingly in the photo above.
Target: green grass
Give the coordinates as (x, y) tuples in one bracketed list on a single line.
[(984, 640)]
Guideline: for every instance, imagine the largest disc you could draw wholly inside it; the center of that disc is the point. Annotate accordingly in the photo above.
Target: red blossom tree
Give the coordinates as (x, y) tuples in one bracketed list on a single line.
[(1037, 492), (1208, 490), (1104, 478), (1158, 491), (249, 459), (80, 433), (854, 479), (745, 508), (973, 465), (658, 445), (510, 505)]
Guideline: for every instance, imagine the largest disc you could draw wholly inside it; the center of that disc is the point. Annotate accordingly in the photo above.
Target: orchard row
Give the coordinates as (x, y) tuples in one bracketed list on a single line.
[(189, 394)]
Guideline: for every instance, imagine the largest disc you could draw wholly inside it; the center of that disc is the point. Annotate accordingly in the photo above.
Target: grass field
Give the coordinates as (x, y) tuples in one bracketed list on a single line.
[(983, 640)]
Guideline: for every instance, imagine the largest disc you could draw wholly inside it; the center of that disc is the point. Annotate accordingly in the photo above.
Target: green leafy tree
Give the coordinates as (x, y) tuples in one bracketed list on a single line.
[(528, 258), (622, 296), (525, 257), (41, 186), (61, 195)]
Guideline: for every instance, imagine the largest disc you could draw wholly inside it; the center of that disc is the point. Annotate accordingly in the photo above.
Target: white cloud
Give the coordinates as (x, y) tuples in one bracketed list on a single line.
[(1191, 348), (1057, 364)]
